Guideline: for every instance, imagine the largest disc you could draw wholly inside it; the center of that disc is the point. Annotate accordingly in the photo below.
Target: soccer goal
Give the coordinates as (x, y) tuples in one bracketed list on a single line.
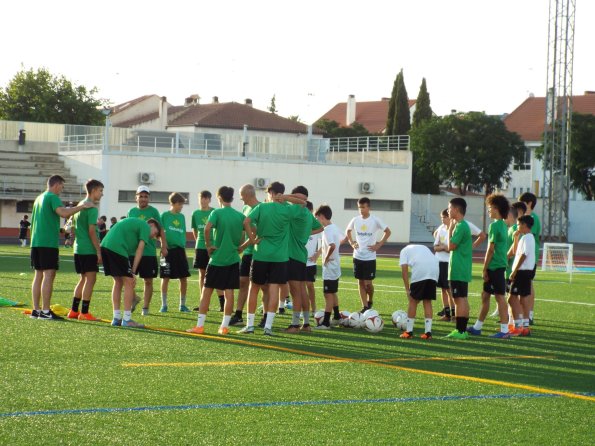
[(557, 257)]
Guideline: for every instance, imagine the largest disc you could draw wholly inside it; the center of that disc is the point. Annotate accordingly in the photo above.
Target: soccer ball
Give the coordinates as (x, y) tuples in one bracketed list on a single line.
[(344, 320), (370, 313), (374, 324), (319, 317), (399, 318), (356, 320)]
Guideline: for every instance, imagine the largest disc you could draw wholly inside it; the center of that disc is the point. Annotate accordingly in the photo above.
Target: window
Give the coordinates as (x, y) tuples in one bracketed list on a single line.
[(514, 192), (376, 205), (524, 163), (25, 206), (129, 196)]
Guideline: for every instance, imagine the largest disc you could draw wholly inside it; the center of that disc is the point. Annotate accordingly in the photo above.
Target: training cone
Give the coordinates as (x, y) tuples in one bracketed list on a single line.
[(4, 302)]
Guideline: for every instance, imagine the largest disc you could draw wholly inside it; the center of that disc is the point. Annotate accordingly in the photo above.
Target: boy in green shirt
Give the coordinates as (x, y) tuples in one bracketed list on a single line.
[(45, 239), (460, 246), (530, 201), (494, 266), (175, 264), (87, 252), (123, 242), (223, 269)]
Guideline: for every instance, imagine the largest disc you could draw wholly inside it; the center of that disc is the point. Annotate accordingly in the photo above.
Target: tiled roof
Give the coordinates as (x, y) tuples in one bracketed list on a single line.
[(138, 120), (528, 119), (371, 114), (118, 108)]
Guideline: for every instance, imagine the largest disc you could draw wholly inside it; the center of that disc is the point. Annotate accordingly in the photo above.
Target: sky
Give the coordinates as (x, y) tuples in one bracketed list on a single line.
[(476, 55)]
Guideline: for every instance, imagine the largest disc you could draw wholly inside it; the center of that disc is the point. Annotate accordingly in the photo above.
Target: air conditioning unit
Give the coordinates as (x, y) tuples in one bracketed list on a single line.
[(261, 183), (366, 187), (146, 177)]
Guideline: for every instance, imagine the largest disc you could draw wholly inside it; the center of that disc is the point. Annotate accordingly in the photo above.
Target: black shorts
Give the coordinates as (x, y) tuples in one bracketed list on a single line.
[(496, 283), (459, 289), (423, 290), (507, 285), (176, 264), (443, 276), (311, 273), (296, 271), (245, 265), (85, 263), (268, 272), (330, 286), (45, 258), (521, 286), (533, 271), (147, 268), (115, 265), (364, 269), (201, 259), (223, 277)]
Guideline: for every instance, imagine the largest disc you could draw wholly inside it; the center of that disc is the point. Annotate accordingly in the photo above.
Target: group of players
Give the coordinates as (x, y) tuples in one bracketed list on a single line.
[(271, 249)]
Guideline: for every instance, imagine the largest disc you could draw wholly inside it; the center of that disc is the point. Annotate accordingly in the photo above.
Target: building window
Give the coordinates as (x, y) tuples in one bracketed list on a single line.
[(129, 196), (376, 205), (514, 192), (25, 206), (524, 163)]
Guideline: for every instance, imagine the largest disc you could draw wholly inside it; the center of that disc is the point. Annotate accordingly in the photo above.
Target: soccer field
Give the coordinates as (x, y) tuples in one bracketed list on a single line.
[(89, 383)]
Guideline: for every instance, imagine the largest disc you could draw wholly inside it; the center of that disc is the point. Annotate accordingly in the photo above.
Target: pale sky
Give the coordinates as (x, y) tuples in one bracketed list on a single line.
[(476, 55)]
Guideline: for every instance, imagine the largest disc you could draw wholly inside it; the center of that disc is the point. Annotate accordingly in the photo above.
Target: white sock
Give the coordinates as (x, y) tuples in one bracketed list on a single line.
[(282, 303), (270, 319), (518, 323), (200, 322), (164, 300), (225, 322), (503, 328), (127, 315), (250, 320), (531, 314), (478, 324), (525, 323), (117, 314), (510, 319), (410, 322), (306, 316), (428, 324)]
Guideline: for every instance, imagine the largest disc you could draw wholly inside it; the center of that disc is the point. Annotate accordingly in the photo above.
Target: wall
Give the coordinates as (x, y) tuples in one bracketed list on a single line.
[(581, 216)]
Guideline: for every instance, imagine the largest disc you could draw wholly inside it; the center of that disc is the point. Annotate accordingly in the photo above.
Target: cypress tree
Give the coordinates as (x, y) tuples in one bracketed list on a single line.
[(392, 107), (423, 111), (402, 119)]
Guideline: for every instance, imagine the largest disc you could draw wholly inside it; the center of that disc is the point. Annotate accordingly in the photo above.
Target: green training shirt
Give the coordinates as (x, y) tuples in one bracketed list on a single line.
[(228, 227), (272, 227), (175, 229), (461, 259), (145, 214), (497, 234), (81, 222), (509, 243), (123, 238), (199, 220), (246, 211), (536, 231), (45, 223), (301, 226)]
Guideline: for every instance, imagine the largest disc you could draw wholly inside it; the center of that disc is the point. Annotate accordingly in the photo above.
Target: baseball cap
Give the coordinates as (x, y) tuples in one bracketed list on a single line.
[(142, 189)]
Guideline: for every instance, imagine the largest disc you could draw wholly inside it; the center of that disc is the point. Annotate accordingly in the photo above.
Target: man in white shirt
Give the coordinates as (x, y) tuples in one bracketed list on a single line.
[(424, 275), (443, 257), (364, 246), (314, 251)]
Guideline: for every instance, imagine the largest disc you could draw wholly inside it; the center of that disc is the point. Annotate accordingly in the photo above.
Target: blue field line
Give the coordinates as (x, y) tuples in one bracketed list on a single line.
[(280, 404)]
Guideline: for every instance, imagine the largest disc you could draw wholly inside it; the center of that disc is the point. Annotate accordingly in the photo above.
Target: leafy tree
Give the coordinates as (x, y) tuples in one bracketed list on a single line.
[(470, 151), (423, 111), (273, 107), (399, 119), (582, 155), (332, 129), (39, 96), (295, 118)]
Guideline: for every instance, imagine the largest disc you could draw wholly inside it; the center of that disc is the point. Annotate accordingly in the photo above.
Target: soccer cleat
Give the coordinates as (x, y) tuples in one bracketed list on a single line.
[(441, 312), (135, 302), (196, 330), (406, 335), (268, 332), (73, 314), (163, 309), (426, 336), (531, 322), (145, 312), (445, 318), (526, 332), (501, 335), (35, 314), (473, 331), (281, 310), (515, 332), (262, 322), (322, 327), (49, 316), (196, 309), (456, 334), (184, 309), (306, 328), (292, 329), (335, 322), (116, 322), (247, 330), (132, 324), (364, 309), (87, 317), (235, 320), (223, 331)]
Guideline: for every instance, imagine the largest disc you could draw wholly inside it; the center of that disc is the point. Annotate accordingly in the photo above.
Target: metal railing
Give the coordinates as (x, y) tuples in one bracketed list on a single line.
[(24, 190)]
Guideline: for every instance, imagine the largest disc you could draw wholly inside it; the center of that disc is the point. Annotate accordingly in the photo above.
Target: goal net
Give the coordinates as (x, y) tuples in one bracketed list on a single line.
[(557, 257)]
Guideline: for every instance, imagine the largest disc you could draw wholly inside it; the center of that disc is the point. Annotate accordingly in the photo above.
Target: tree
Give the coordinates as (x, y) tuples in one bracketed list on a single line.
[(273, 107), (582, 155), (470, 151), (332, 129), (423, 111), (399, 119), (295, 118), (39, 96)]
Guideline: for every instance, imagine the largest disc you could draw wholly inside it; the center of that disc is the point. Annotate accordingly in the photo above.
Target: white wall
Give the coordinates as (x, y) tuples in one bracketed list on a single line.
[(581, 216)]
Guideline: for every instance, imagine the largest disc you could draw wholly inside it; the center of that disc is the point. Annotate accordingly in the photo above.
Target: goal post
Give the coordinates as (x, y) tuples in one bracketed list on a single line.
[(558, 257)]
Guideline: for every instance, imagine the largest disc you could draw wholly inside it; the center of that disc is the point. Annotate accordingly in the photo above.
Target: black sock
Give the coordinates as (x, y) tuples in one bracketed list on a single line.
[(447, 311), (336, 313), (462, 324), (239, 313), (86, 304), (75, 303), (327, 319), (222, 301), (369, 304)]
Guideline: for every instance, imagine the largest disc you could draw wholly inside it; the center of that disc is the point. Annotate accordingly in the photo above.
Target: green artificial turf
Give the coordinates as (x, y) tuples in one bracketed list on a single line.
[(323, 388)]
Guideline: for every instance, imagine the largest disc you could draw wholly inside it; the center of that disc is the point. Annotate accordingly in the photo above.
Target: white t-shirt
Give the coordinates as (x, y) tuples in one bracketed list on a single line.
[(423, 264), (312, 247), (365, 235), (526, 246), (474, 229), (331, 235), (441, 238)]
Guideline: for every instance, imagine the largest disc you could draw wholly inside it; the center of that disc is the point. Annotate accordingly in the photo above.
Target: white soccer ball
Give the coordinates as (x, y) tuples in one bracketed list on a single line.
[(370, 313), (356, 320), (374, 324), (319, 317), (399, 319), (344, 318)]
